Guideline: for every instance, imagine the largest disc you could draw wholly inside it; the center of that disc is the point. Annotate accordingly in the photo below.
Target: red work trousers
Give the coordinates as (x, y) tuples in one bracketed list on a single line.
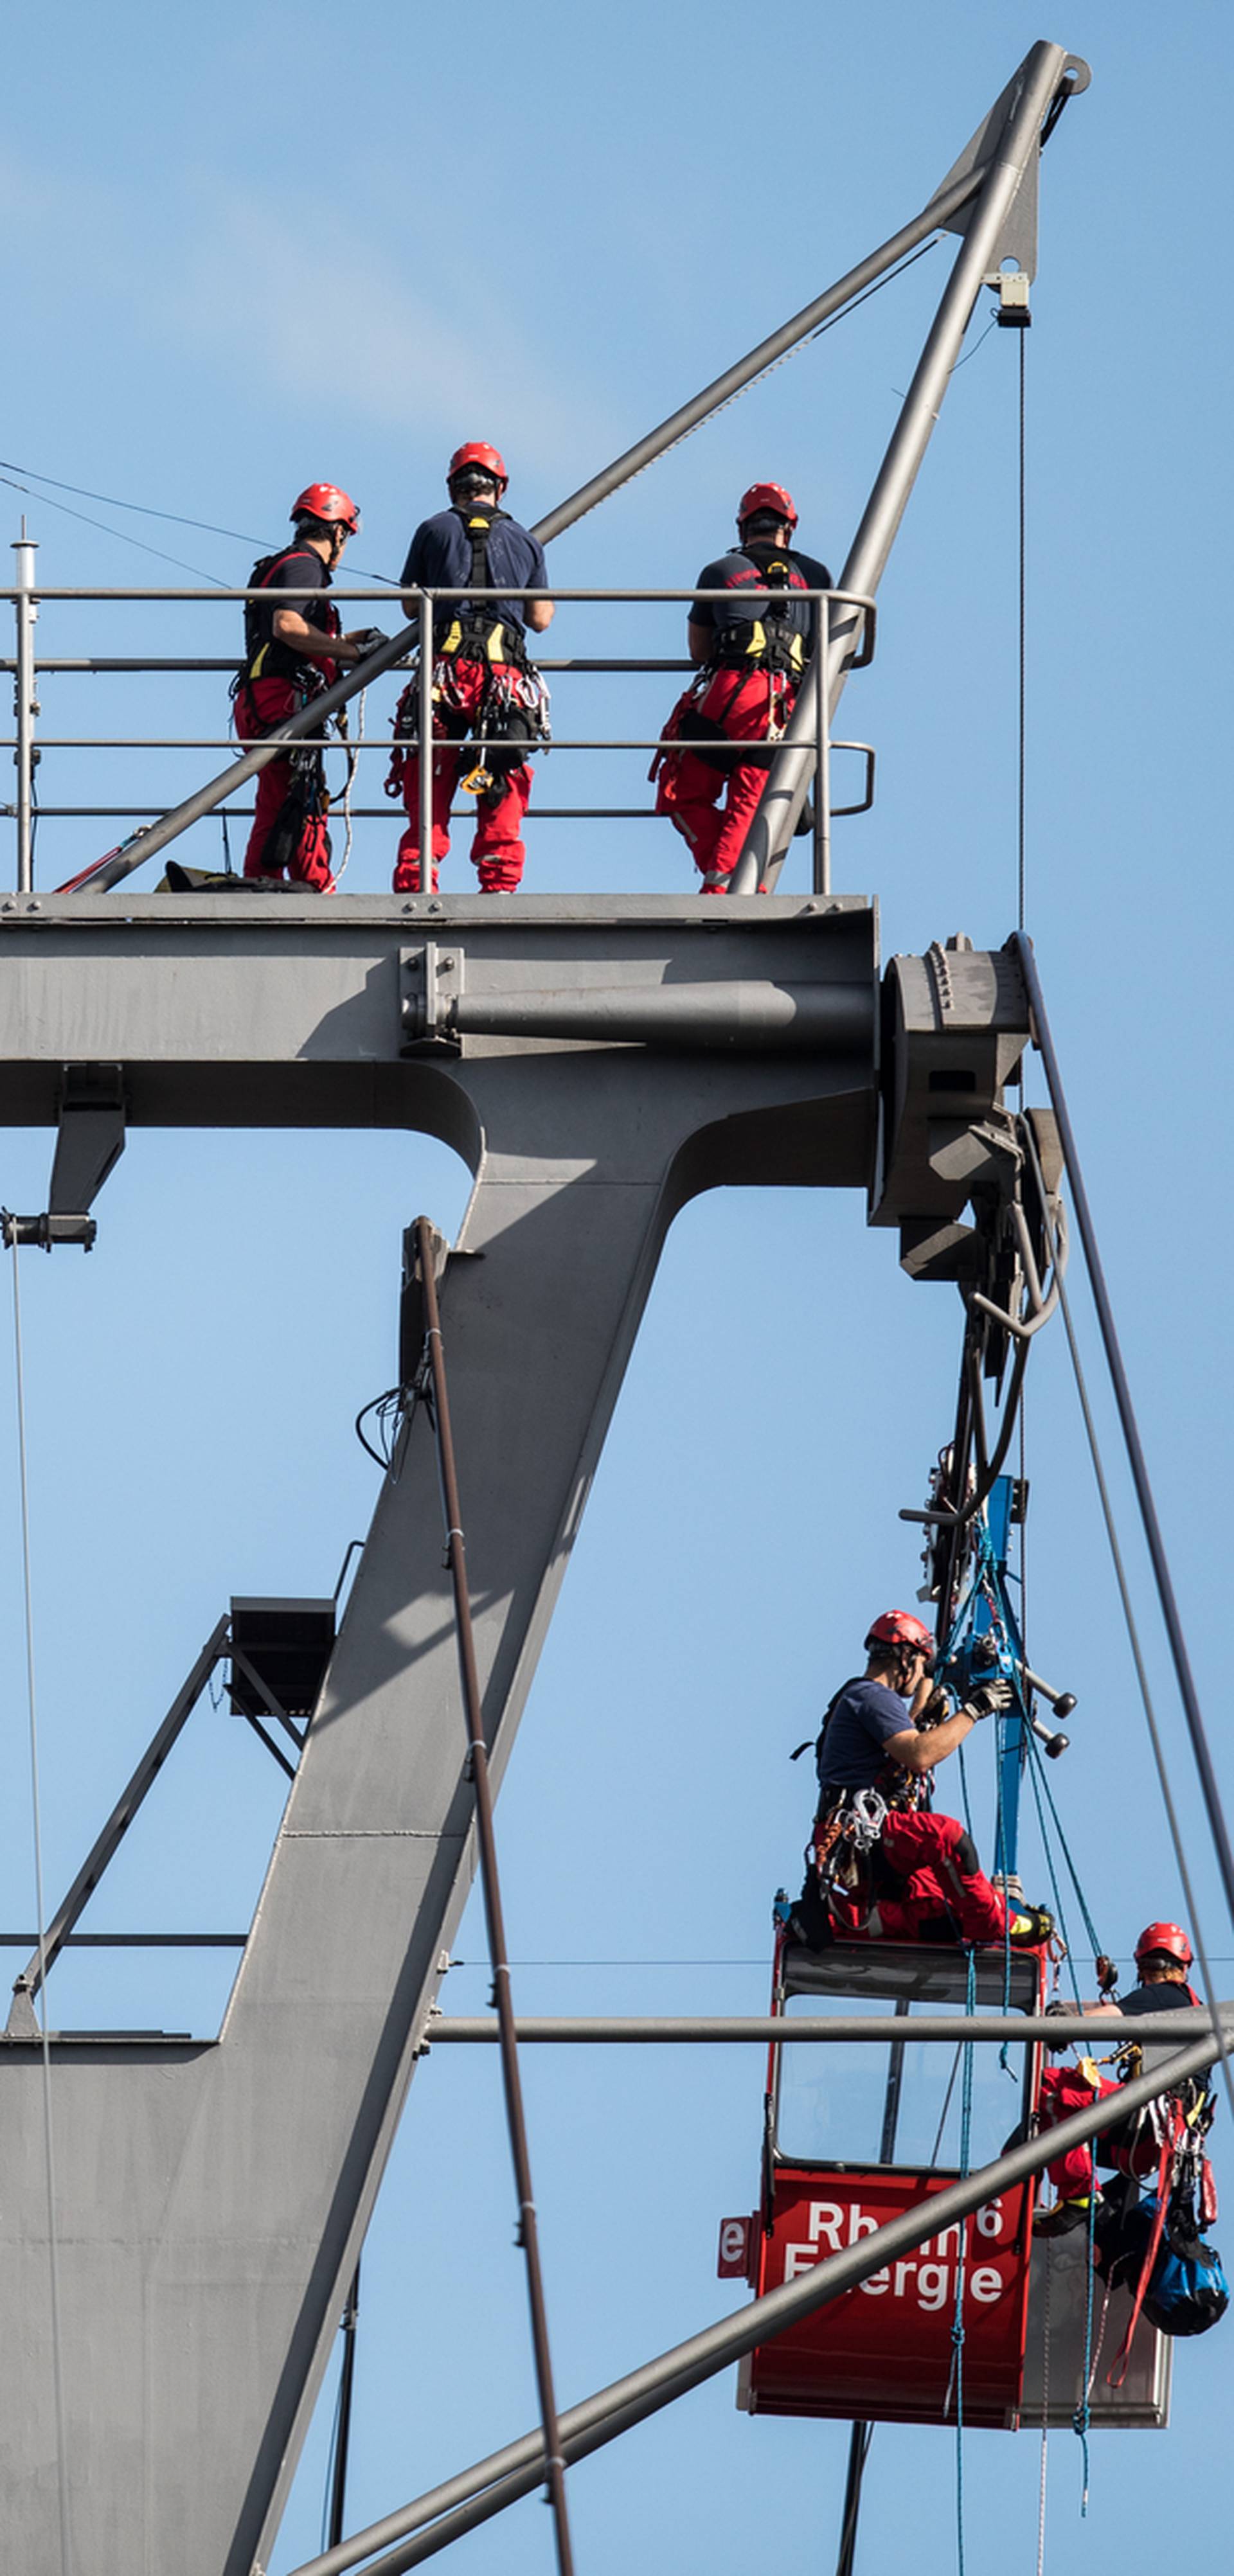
[(934, 1856), (261, 706), (497, 849), (1065, 2089), (690, 786)]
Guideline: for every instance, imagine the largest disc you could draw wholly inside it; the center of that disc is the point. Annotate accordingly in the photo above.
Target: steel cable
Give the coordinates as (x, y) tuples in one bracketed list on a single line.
[(49, 2161), (1141, 1673)]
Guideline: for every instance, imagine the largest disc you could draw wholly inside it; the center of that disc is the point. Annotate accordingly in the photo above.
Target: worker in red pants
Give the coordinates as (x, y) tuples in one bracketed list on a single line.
[(886, 1865), (751, 649), (292, 653), (1162, 1956), (485, 690)]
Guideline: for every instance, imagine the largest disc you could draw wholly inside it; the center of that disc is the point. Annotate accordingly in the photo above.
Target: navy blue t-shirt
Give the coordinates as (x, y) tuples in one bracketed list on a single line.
[(863, 1717), (440, 555), (744, 570)]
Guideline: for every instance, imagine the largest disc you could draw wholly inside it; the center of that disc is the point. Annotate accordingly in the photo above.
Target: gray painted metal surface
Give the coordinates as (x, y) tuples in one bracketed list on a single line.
[(213, 2198), (779, 2029)]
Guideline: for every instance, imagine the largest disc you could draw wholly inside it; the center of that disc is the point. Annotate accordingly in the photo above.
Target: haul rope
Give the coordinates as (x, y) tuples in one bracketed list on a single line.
[(49, 2161)]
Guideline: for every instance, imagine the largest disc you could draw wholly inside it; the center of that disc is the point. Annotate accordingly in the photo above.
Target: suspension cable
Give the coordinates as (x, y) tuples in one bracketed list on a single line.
[(456, 1554), (1137, 1656), (1022, 948), (49, 2161)]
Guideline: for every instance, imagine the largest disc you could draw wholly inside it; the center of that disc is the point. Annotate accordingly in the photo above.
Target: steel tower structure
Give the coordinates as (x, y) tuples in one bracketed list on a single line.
[(597, 1061)]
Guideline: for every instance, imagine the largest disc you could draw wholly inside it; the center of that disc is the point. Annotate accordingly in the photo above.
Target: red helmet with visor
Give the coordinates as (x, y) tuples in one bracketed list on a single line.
[(1169, 1939), (325, 501), (478, 452), (900, 1628), (766, 496)]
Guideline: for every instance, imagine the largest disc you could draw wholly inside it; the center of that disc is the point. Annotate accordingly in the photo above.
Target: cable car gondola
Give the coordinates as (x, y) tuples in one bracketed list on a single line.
[(857, 2133)]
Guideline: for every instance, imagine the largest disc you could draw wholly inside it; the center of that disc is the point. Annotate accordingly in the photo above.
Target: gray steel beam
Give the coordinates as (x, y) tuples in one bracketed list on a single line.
[(1011, 154), (478, 2493), (1058, 2030), (205, 2267)]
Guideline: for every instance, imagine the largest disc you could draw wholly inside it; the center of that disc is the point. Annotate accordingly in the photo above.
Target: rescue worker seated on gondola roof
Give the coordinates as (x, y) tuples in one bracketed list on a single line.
[(919, 1878), (1162, 1958)]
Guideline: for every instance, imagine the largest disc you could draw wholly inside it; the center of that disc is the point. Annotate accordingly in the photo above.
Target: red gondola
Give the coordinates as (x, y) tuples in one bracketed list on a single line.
[(855, 2134)]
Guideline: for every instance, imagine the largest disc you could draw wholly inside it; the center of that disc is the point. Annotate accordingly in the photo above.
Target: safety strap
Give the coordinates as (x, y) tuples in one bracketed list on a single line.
[(471, 630), (257, 651), (774, 643), (1168, 2144)]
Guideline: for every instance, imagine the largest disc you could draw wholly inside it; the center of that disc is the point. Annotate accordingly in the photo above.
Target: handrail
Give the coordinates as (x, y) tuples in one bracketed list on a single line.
[(400, 654)]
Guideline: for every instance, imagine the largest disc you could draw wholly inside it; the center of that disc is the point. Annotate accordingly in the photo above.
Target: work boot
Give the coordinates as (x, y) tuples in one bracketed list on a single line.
[(1060, 2220), (1027, 1931)]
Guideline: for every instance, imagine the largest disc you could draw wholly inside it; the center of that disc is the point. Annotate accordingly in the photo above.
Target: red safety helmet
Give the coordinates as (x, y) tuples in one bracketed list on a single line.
[(899, 1628), (478, 452), (325, 501), (1169, 1938), (766, 496)]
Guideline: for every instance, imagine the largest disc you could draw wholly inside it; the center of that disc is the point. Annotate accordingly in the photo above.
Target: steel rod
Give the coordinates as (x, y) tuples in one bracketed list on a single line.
[(863, 2434), (342, 2443), (771, 827), (635, 459), (1022, 949), (107, 1843), (476, 2493), (132, 1940), (25, 708), (666, 2030), (552, 2460)]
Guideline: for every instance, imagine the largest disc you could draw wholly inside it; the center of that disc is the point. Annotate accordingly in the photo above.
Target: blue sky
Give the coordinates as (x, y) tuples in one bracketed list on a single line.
[(258, 245)]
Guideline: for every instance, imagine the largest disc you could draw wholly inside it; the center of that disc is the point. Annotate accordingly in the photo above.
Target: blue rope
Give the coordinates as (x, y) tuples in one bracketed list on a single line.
[(1000, 1739), (968, 1813), (1081, 2417), (957, 2327), (1060, 1915), (1075, 1881)]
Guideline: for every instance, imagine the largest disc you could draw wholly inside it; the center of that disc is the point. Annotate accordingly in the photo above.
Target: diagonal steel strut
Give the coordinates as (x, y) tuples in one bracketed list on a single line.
[(478, 2493)]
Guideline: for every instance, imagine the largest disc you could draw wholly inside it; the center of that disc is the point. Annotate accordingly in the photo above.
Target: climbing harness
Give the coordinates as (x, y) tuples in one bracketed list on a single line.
[(265, 657), (509, 721)]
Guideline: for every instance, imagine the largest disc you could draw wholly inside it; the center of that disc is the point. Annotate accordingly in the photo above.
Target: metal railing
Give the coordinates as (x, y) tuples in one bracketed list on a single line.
[(29, 747)]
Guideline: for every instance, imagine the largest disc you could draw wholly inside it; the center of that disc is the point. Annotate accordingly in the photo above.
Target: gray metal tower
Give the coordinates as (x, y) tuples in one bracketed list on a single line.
[(597, 1061)]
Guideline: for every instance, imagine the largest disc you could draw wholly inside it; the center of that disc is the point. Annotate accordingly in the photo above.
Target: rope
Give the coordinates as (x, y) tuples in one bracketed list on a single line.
[(1036, 1759), (1082, 2413), (1060, 1916), (957, 2328), (53, 2261), (1141, 1673), (352, 762), (1045, 2408), (1023, 586)]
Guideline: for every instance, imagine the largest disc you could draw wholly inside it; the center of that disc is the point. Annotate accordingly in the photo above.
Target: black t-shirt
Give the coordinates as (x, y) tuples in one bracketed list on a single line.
[(744, 571), (439, 558), (298, 568), (1171, 1995)]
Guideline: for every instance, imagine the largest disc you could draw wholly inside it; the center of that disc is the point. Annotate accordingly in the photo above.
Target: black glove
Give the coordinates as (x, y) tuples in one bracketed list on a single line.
[(368, 639), (987, 1699), (937, 1708)]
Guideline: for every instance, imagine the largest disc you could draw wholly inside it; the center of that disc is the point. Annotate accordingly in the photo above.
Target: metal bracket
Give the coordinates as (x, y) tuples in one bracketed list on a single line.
[(430, 982), (89, 1143)]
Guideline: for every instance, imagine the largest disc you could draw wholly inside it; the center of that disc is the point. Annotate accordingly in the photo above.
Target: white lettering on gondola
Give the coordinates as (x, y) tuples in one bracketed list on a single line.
[(928, 2278)]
